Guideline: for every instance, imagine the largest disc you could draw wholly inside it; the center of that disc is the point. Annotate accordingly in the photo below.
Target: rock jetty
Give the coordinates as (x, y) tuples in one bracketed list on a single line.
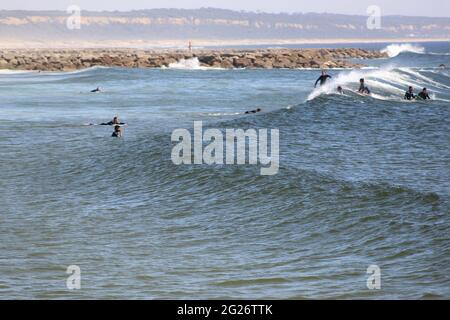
[(75, 59)]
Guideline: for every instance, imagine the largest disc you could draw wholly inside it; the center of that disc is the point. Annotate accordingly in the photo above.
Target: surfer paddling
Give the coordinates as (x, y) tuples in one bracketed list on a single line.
[(253, 111), (424, 95), (114, 122), (409, 95), (96, 90)]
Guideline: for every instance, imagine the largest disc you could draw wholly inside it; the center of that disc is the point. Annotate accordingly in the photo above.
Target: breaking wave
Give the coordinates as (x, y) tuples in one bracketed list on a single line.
[(394, 50), (190, 64), (387, 83)]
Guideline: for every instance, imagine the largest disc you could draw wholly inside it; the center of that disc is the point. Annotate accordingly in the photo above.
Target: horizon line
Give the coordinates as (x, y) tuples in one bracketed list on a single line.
[(224, 9)]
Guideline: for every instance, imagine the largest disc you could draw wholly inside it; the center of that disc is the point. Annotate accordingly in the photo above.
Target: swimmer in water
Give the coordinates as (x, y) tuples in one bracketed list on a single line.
[(322, 79), (409, 95), (424, 95), (96, 90), (340, 90), (114, 121), (117, 132), (253, 111)]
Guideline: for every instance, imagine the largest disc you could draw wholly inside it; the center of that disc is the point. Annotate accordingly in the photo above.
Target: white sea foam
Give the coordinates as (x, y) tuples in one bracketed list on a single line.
[(425, 80), (350, 81), (440, 53), (190, 64), (8, 71), (394, 50), (386, 83), (220, 114)]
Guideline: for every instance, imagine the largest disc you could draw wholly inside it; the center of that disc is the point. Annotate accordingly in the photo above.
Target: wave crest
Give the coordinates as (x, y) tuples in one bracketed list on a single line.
[(387, 83), (394, 50)]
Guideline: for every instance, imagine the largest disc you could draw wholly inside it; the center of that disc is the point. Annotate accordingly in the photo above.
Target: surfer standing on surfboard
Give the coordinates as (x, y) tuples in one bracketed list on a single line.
[(322, 79)]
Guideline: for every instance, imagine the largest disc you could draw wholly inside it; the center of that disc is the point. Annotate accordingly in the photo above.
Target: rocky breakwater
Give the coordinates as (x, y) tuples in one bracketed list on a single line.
[(67, 60)]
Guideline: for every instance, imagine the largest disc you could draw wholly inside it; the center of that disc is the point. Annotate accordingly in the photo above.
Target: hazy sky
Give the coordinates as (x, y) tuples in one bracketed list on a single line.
[(404, 7)]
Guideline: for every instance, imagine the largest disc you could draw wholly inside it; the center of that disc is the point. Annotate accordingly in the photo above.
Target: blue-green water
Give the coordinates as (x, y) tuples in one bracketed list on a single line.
[(362, 181)]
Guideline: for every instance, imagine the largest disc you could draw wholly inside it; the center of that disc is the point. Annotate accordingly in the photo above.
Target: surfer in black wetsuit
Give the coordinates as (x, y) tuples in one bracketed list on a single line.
[(322, 79), (96, 90), (409, 95), (253, 111), (424, 94), (117, 132), (362, 87), (114, 121)]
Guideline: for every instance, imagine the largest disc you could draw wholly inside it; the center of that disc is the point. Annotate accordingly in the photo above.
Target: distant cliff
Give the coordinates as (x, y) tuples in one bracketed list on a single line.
[(209, 23)]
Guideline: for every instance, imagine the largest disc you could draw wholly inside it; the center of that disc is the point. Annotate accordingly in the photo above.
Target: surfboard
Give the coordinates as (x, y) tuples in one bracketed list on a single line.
[(106, 125), (363, 94), (113, 124)]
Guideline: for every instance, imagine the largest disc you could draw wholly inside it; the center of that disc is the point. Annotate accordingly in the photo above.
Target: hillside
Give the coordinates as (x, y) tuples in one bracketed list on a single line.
[(210, 24)]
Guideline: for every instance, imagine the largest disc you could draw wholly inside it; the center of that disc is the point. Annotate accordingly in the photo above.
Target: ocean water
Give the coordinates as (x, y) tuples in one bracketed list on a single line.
[(362, 181)]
